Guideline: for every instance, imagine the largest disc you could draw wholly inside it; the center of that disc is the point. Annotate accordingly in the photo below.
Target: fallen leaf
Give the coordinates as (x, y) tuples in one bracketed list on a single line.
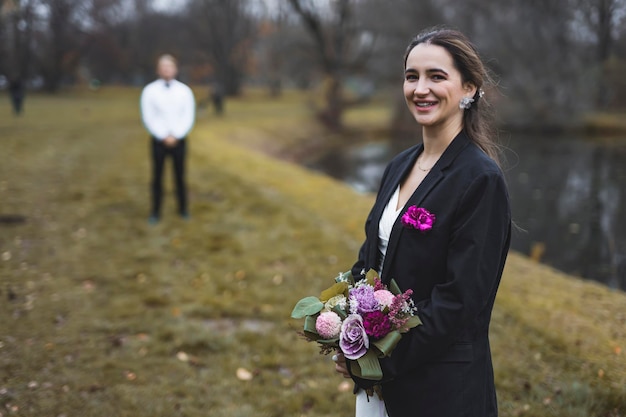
[(243, 374), (267, 308)]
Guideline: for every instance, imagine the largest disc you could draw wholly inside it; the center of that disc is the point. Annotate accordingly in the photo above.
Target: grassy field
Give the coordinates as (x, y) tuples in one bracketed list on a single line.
[(104, 315)]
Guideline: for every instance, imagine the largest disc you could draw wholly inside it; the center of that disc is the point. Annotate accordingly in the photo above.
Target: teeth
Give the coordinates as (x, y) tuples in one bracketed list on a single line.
[(423, 104)]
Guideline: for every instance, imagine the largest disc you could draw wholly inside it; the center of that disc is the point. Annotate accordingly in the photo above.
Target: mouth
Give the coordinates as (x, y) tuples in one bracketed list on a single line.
[(424, 105)]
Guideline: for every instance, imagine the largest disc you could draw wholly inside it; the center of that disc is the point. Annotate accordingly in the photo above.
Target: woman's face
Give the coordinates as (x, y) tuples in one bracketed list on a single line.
[(433, 88)]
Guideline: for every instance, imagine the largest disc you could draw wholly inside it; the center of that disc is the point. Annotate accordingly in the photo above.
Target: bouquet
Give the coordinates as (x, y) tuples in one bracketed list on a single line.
[(364, 319)]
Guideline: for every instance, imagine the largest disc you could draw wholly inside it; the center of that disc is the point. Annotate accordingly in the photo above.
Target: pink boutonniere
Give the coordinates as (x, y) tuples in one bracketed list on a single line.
[(418, 218)]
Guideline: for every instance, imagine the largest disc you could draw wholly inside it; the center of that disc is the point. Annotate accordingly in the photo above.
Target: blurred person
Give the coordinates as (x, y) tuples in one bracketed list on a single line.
[(17, 92), (168, 112), (440, 226), (217, 94)]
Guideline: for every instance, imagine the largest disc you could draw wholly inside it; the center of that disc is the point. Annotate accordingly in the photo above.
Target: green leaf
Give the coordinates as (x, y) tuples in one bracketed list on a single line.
[(336, 289), (307, 307), (345, 277), (369, 277), (368, 367), (388, 343), (309, 328), (414, 321), (341, 313), (394, 288)]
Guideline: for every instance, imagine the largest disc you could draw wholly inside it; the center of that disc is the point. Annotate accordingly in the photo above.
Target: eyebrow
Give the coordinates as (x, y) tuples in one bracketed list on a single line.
[(428, 71)]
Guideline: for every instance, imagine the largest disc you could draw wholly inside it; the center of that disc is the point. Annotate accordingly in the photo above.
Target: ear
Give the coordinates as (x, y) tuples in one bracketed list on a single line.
[(470, 88)]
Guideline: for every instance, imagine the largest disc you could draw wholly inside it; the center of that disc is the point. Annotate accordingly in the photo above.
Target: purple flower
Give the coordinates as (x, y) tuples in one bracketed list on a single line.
[(353, 340), (418, 218), (401, 309), (376, 324), (362, 297)]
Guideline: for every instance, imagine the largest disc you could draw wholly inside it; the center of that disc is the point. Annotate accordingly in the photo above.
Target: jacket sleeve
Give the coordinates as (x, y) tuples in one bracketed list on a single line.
[(461, 303)]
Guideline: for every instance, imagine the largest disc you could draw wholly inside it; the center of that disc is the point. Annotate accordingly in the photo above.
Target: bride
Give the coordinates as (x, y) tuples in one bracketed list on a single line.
[(442, 368)]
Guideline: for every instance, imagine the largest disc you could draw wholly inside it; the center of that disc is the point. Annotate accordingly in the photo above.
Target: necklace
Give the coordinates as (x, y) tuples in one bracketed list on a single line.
[(422, 169)]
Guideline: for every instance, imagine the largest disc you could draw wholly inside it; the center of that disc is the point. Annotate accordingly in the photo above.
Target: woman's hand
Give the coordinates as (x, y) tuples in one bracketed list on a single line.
[(340, 364)]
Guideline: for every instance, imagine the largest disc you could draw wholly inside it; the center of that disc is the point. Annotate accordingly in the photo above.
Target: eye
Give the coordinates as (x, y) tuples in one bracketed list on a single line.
[(438, 77), (410, 77)]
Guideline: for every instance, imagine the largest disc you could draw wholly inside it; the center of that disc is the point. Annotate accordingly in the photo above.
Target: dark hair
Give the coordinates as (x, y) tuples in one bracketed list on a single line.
[(477, 120)]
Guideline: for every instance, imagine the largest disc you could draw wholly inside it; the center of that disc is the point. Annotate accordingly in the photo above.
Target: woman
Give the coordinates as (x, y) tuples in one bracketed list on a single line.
[(443, 367)]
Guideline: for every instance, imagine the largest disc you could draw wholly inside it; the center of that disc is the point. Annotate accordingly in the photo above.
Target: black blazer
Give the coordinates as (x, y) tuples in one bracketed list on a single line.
[(443, 368)]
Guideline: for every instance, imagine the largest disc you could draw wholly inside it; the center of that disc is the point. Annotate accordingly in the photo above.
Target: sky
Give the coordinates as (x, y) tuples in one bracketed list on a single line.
[(167, 5)]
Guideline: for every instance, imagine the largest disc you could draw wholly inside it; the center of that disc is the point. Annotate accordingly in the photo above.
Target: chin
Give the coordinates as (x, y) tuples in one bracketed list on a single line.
[(424, 121)]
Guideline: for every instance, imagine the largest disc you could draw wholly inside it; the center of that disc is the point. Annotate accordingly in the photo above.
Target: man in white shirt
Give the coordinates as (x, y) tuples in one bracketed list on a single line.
[(168, 110)]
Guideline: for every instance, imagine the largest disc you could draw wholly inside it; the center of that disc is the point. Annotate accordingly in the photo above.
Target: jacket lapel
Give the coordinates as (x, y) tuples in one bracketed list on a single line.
[(436, 174), (390, 186)]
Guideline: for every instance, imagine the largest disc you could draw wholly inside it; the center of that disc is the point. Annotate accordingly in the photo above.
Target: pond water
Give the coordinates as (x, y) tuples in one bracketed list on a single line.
[(568, 197)]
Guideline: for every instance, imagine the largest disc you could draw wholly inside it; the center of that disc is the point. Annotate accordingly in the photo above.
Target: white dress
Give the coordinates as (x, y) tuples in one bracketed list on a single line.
[(374, 406)]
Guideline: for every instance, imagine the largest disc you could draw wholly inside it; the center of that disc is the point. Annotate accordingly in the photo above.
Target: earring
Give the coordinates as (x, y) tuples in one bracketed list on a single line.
[(466, 103)]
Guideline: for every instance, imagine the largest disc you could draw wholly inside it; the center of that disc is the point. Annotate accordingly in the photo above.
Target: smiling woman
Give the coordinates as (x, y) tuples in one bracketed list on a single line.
[(431, 89), (450, 245)]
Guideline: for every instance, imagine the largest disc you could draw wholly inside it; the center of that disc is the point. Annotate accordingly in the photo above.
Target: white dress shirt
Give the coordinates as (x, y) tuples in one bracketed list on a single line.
[(167, 109), (374, 406), (387, 220)]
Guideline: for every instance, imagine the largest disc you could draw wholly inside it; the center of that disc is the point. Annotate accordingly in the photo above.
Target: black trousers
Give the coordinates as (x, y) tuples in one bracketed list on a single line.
[(17, 101), (178, 155)]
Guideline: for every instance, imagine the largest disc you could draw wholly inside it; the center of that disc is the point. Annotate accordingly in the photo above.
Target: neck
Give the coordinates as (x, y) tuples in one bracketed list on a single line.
[(437, 139)]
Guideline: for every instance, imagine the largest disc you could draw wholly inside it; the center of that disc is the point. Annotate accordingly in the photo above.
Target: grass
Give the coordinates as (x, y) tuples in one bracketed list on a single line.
[(104, 315)]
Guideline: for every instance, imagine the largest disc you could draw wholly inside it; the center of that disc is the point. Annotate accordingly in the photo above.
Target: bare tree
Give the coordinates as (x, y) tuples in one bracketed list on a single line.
[(223, 32), (600, 20), (106, 59), (274, 39), (336, 37), (18, 21), (529, 46), (395, 27), (61, 42)]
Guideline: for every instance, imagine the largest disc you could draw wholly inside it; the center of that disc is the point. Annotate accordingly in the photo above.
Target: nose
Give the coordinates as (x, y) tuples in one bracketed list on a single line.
[(421, 88)]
